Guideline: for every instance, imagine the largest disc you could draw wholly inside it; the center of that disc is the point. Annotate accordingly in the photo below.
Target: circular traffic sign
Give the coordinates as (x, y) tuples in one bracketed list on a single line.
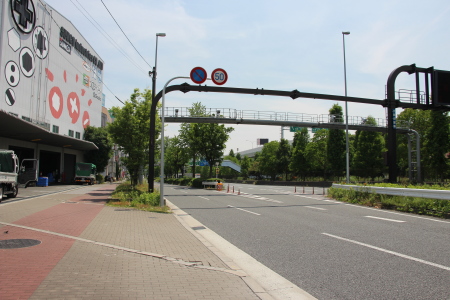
[(198, 75), (219, 76)]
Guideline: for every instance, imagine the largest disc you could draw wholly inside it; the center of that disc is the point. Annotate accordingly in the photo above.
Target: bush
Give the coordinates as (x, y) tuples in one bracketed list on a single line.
[(423, 206)]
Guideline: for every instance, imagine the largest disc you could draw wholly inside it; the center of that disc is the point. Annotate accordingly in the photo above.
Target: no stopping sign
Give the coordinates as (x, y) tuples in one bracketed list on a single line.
[(219, 76)]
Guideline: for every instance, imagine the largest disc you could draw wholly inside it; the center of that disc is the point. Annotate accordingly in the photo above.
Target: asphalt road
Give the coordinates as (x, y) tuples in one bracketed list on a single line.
[(330, 249)]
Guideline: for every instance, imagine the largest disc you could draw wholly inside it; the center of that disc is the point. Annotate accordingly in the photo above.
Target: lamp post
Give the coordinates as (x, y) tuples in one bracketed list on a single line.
[(347, 153), (153, 75)]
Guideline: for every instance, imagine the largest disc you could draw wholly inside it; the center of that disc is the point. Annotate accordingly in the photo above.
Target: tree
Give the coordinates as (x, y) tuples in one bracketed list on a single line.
[(207, 140), (100, 137), (418, 120), (238, 156), (283, 154), (336, 144), (316, 153), (231, 153), (437, 144), (188, 136), (175, 156), (368, 160), (268, 161), (299, 164), (130, 131), (245, 166)]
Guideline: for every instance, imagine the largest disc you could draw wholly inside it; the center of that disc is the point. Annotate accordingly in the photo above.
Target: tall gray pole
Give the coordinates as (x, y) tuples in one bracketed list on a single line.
[(347, 152), (153, 74)]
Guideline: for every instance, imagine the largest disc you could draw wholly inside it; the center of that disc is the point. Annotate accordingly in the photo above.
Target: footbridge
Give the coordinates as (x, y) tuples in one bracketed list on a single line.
[(252, 117)]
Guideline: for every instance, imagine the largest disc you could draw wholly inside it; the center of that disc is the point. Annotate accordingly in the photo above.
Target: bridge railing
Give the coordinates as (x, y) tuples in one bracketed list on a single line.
[(229, 113)]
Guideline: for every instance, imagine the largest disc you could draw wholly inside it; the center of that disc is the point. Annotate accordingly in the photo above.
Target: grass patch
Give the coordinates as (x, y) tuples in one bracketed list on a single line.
[(422, 206), (137, 197)]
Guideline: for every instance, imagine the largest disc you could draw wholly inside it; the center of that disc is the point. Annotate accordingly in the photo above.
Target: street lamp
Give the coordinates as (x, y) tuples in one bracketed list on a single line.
[(153, 75), (347, 154)]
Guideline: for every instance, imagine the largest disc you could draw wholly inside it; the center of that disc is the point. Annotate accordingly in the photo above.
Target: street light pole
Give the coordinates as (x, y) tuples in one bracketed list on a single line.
[(347, 153), (150, 153)]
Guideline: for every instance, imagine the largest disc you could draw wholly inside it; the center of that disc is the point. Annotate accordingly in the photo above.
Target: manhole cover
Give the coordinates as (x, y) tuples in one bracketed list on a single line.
[(18, 243)]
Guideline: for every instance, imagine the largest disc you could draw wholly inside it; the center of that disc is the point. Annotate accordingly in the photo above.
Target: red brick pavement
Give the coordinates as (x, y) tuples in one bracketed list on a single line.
[(22, 270)]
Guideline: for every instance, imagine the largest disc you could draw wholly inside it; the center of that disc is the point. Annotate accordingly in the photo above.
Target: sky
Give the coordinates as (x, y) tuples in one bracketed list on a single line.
[(278, 45)]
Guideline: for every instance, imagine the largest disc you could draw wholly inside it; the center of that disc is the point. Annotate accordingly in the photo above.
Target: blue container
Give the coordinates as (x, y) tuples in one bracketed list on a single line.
[(42, 181)]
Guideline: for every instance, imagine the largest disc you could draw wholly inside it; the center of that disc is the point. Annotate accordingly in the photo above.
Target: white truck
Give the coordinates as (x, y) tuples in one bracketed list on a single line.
[(9, 171), (11, 176)]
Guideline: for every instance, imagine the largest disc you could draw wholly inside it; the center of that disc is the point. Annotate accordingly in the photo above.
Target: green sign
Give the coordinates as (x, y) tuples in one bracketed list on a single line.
[(295, 128), (315, 129)]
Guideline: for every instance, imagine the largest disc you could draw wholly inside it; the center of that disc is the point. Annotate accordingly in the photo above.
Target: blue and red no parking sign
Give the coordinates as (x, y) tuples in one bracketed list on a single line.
[(198, 75)]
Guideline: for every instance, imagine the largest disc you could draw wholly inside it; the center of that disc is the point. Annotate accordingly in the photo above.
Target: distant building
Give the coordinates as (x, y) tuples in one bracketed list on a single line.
[(52, 86)]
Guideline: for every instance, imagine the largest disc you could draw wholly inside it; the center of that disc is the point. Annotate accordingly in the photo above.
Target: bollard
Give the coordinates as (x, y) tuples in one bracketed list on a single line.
[(313, 190), (323, 190), (239, 192), (295, 190), (303, 189), (233, 189)]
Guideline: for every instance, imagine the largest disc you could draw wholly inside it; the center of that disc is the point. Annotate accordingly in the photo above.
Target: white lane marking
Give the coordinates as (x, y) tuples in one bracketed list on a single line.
[(389, 252), (385, 219), (319, 208), (251, 212), (203, 198)]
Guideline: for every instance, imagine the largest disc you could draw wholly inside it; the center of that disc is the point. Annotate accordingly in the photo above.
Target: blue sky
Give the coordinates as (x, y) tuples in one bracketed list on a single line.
[(281, 45)]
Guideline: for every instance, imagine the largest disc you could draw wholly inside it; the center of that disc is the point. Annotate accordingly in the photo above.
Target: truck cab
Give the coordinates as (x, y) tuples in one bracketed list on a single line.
[(85, 173)]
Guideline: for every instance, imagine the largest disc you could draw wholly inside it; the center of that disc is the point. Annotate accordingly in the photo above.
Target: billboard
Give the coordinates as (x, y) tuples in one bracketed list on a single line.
[(52, 75)]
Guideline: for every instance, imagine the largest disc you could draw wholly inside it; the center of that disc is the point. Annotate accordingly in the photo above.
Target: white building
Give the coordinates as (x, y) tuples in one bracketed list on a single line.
[(51, 80)]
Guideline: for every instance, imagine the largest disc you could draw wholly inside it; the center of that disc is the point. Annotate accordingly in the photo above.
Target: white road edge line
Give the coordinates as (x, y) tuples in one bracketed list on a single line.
[(389, 252), (319, 208), (385, 219), (244, 210)]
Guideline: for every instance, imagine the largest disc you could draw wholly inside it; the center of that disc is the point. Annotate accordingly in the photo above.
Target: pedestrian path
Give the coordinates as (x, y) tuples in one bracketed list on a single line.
[(91, 251)]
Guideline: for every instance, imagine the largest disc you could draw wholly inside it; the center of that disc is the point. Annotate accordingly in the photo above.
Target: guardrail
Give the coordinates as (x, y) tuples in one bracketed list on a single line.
[(420, 193)]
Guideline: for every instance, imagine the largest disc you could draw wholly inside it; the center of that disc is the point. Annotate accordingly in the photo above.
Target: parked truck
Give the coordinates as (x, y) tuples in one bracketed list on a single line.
[(9, 171), (11, 176), (85, 173)]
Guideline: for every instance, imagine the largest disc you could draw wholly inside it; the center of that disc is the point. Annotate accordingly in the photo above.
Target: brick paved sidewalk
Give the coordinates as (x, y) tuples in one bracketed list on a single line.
[(92, 251)]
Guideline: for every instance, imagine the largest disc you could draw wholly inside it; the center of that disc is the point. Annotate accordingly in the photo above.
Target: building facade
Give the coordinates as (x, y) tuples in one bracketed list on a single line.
[(52, 86)]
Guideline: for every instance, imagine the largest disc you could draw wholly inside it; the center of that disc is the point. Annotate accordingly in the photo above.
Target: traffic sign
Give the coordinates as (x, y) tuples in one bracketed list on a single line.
[(219, 76), (198, 75), (295, 128)]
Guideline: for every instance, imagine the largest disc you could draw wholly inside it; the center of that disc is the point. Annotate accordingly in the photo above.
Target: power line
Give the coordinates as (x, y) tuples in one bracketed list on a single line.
[(125, 34), (109, 38)]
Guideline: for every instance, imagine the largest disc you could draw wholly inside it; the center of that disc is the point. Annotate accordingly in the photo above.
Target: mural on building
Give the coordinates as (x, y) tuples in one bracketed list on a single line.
[(52, 75)]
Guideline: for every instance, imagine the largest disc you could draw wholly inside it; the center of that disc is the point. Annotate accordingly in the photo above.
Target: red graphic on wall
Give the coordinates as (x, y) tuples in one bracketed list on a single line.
[(55, 100), (86, 120), (90, 102), (73, 105), (49, 75)]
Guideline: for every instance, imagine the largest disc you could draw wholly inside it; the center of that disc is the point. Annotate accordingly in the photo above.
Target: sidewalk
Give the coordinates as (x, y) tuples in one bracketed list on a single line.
[(91, 251)]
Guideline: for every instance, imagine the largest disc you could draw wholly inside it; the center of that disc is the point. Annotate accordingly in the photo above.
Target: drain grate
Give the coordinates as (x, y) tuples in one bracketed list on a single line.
[(18, 243), (123, 209), (199, 227)]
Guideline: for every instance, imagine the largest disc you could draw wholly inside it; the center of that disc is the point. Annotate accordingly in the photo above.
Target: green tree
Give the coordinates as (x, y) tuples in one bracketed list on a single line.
[(283, 154), (205, 139), (316, 153), (336, 145), (238, 156), (299, 165), (368, 160), (100, 137), (418, 120), (175, 155), (437, 144), (231, 153), (245, 166), (268, 160), (130, 131)]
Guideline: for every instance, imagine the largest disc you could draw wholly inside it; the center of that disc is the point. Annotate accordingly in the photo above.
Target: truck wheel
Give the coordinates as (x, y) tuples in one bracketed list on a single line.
[(1, 193), (14, 193)]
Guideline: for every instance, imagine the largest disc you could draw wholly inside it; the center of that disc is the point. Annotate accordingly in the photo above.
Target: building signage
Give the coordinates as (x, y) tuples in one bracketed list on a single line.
[(72, 41)]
